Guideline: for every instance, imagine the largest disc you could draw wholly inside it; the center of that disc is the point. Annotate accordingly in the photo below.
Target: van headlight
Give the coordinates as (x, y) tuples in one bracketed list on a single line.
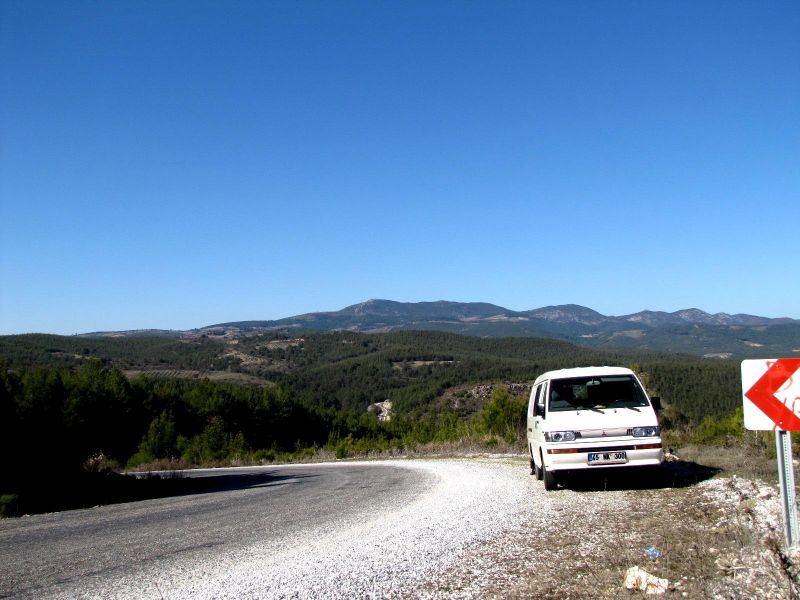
[(559, 436), (649, 431)]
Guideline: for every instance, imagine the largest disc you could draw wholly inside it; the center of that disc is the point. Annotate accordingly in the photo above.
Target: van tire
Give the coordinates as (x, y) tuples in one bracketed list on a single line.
[(535, 470), (549, 478)]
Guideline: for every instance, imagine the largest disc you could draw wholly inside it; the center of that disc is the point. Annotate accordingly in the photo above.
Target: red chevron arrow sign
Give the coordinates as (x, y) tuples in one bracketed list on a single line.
[(771, 394)]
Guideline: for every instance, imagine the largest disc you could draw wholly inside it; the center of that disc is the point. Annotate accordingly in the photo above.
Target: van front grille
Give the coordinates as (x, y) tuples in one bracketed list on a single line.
[(579, 450)]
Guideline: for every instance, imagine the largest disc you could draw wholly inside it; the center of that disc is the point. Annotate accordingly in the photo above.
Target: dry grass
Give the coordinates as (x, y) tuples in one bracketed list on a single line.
[(718, 538), (678, 523), (687, 560), (164, 465), (740, 460)]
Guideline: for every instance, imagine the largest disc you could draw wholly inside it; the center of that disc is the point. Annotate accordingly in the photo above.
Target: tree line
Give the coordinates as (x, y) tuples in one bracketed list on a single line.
[(59, 421)]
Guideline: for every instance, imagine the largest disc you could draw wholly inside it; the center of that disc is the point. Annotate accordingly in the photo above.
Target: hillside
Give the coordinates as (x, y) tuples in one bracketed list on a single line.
[(351, 370), (75, 404)]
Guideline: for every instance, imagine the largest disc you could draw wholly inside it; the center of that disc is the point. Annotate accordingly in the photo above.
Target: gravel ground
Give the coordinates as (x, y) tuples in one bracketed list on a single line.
[(485, 528), (719, 538)]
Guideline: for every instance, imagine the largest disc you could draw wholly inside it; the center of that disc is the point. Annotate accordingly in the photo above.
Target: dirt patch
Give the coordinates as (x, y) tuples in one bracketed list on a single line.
[(630, 333), (467, 400), (246, 360), (224, 376), (281, 344), (257, 364), (417, 364)]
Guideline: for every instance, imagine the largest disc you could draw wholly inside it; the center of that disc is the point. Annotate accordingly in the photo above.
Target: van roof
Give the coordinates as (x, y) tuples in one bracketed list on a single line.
[(583, 372)]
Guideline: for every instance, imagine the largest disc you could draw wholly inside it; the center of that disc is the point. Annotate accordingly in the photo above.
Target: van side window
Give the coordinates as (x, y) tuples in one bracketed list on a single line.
[(534, 400), (540, 397)]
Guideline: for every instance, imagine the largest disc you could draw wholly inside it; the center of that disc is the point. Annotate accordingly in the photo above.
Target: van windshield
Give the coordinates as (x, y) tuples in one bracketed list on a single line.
[(617, 391)]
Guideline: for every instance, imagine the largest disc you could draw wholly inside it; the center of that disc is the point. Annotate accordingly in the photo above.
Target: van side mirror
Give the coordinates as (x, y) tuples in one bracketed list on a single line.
[(538, 410), (656, 401)]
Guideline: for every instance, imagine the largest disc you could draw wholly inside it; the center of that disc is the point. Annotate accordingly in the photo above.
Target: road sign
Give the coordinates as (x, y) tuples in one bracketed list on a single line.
[(783, 447), (771, 394)]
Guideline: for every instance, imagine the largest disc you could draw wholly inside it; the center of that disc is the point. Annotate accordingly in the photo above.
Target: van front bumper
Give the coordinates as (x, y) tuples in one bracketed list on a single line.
[(639, 452)]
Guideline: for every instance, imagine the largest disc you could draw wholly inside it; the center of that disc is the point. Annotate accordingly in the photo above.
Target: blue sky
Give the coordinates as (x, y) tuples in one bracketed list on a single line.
[(177, 164)]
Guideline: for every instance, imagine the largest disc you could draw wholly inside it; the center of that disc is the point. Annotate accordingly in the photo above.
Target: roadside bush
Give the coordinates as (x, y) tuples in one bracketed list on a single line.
[(351, 446), (344, 447), (100, 463), (214, 444), (726, 431), (450, 427), (264, 456), (503, 416), (160, 441)]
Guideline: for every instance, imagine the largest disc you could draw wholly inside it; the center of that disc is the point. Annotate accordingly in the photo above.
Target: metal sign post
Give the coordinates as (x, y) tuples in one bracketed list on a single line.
[(783, 444), (771, 394)]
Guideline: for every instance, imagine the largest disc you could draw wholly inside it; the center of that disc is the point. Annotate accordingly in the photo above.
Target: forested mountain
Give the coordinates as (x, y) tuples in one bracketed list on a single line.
[(387, 313), (720, 335), (693, 331)]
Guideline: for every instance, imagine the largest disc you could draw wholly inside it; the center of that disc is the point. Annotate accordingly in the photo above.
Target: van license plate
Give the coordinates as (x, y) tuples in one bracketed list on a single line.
[(607, 458)]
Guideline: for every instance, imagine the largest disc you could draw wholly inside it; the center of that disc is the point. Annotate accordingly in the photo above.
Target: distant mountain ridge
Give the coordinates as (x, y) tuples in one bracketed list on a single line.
[(690, 331), (367, 316)]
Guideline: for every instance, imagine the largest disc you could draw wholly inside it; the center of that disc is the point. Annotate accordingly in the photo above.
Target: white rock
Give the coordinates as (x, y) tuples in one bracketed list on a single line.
[(639, 579)]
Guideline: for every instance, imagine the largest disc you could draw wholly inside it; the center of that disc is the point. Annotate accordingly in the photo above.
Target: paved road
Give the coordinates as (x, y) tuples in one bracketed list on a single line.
[(421, 529), (102, 552)]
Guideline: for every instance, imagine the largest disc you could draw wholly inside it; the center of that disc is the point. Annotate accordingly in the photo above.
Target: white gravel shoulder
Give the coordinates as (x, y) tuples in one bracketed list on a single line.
[(387, 556)]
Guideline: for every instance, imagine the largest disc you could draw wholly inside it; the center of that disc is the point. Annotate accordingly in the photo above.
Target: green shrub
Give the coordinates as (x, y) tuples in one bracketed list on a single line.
[(344, 447), (712, 431), (262, 456), (503, 415), (160, 441), (100, 463), (214, 444)]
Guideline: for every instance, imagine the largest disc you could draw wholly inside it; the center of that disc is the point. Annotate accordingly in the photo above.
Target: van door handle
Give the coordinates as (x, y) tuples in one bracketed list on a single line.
[(529, 429)]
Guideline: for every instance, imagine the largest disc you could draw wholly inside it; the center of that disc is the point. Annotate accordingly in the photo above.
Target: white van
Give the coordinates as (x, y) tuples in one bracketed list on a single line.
[(591, 418)]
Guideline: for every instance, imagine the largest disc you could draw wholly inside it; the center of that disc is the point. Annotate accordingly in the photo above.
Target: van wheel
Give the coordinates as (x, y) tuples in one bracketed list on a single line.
[(534, 469), (549, 478)]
